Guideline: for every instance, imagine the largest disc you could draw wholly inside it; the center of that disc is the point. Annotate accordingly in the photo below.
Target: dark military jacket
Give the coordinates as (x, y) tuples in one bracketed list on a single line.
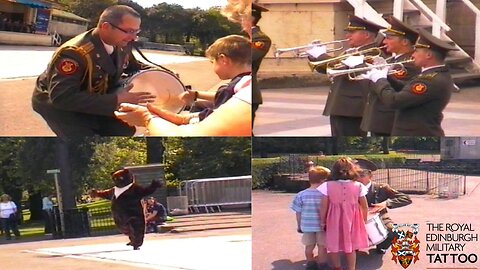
[(419, 104), (378, 193), (82, 77), (378, 117), (347, 97), (260, 45)]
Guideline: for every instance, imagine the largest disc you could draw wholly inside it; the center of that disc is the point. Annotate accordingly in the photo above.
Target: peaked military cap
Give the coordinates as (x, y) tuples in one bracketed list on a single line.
[(357, 23), (428, 41), (366, 164), (257, 10), (398, 28)]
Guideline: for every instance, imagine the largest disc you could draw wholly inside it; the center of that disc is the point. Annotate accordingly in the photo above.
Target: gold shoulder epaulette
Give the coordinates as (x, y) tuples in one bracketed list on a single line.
[(428, 76), (85, 48)]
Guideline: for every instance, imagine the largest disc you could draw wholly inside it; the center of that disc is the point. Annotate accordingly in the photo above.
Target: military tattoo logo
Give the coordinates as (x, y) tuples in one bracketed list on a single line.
[(405, 245)]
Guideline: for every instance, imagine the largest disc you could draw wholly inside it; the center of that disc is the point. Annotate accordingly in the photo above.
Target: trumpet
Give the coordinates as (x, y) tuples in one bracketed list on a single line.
[(335, 62), (301, 51), (393, 68)]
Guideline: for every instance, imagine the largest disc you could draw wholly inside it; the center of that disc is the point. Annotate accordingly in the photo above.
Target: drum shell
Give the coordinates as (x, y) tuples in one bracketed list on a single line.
[(376, 230), (164, 85)]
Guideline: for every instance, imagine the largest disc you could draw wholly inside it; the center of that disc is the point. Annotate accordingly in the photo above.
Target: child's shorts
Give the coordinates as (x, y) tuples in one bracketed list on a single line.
[(312, 238)]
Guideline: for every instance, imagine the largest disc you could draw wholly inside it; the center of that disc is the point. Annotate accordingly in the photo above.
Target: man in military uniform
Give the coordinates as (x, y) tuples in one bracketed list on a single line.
[(381, 197), (260, 45), (419, 105), (347, 98), (76, 93), (378, 118)]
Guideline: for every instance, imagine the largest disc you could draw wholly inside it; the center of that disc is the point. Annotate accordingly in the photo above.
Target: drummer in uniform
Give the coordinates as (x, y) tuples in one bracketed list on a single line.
[(260, 45), (381, 197), (76, 93), (399, 39), (419, 105)]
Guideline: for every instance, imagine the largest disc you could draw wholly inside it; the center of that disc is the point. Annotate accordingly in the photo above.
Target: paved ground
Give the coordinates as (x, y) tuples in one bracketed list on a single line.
[(277, 246), (15, 94), (298, 112), (210, 250)]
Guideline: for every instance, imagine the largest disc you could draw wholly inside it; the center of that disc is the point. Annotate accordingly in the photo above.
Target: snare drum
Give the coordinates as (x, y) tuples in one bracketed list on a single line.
[(165, 86), (376, 230)]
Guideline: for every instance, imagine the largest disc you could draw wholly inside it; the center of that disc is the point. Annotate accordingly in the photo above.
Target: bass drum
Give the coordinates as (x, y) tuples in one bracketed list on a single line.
[(165, 86)]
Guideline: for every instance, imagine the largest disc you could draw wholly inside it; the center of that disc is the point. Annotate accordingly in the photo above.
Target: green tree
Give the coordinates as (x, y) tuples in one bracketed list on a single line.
[(89, 9), (111, 155), (193, 158)]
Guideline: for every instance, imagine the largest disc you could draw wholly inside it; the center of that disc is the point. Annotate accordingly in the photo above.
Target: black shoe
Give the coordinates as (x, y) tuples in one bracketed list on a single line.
[(129, 243), (381, 250), (311, 265), (136, 247)]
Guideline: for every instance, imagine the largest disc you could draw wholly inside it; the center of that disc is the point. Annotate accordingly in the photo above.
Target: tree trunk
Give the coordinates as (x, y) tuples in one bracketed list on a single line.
[(155, 150), (385, 145), (35, 202)]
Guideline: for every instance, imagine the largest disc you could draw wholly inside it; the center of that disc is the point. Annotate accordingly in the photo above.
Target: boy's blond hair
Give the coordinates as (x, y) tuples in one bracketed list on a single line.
[(235, 47), (318, 174)]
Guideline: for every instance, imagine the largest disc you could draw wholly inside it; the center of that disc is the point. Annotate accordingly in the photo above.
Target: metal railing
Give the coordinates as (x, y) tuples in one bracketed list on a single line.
[(213, 193)]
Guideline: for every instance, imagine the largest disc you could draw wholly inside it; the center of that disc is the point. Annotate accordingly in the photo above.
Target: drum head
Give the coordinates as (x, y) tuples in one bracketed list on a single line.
[(165, 86)]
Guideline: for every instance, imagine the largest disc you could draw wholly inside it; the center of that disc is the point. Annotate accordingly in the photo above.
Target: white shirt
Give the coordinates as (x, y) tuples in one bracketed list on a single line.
[(323, 188), (6, 209), (108, 48), (47, 204), (425, 69), (119, 191), (243, 89)]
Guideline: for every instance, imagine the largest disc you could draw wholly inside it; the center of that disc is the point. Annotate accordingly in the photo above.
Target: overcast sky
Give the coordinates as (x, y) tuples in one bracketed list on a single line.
[(203, 4)]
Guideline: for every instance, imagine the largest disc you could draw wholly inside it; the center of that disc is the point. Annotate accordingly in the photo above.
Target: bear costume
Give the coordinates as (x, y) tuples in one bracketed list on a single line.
[(127, 208)]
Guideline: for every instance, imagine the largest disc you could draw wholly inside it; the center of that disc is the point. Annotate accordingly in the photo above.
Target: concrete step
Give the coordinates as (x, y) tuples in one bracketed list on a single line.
[(461, 77), (457, 60), (211, 227), (213, 221), (209, 215)]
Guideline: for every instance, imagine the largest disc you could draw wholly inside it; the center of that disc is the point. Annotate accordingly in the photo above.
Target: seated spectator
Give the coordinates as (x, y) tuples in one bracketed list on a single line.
[(156, 215)]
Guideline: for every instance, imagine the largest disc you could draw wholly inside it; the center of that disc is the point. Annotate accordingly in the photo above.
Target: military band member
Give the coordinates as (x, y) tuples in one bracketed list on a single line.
[(347, 98), (381, 197), (399, 39), (260, 45), (421, 102), (75, 94)]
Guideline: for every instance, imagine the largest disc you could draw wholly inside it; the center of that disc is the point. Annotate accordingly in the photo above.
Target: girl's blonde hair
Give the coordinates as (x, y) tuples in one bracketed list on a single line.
[(237, 10)]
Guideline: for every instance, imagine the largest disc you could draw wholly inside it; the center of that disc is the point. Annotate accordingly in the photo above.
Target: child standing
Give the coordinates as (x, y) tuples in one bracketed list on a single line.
[(344, 213), (307, 207)]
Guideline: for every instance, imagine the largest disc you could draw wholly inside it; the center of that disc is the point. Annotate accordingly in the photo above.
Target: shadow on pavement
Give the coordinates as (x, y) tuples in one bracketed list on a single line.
[(288, 265)]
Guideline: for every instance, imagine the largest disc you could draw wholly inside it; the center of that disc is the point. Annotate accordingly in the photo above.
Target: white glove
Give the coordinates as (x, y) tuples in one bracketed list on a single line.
[(316, 51), (353, 61), (375, 74)]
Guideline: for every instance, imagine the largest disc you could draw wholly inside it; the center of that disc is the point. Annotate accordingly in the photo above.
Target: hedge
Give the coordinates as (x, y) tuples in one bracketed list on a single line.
[(263, 169)]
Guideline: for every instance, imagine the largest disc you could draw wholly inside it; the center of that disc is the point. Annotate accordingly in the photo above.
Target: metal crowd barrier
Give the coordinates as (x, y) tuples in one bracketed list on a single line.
[(213, 193)]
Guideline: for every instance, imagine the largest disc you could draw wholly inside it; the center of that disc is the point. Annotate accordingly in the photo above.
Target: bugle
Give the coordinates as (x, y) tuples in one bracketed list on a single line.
[(336, 62), (301, 51), (393, 68)]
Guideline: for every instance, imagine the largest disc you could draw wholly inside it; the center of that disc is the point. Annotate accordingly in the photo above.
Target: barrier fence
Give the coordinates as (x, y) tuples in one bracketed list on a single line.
[(211, 194), (445, 179)]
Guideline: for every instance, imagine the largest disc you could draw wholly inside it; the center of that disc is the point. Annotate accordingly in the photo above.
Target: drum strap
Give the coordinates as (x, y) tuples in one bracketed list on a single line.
[(156, 65)]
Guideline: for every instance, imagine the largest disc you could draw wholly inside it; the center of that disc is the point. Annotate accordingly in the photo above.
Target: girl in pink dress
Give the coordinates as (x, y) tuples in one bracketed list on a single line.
[(344, 208)]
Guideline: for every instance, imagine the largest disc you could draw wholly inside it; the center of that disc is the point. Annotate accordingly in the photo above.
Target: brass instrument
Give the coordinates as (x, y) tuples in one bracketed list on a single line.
[(336, 62), (301, 51), (393, 69)]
